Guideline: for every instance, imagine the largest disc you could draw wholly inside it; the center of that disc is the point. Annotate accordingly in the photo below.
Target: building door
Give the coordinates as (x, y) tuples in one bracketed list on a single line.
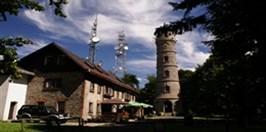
[(12, 110), (61, 106)]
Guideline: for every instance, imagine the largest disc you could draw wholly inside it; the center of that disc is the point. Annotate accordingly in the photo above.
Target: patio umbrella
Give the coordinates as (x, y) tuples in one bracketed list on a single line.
[(134, 104), (144, 105), (138, 104)]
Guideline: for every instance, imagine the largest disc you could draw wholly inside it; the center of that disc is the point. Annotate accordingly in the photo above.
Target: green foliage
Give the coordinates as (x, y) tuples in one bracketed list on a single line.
[(147, 94), (232, 81), (131, 80), (13, 7), (58, 8), (188, 89), (8, 51), (9, 45)]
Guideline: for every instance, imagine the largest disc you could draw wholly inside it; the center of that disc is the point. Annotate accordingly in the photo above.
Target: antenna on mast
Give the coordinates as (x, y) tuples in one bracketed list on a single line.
[(94, 39)]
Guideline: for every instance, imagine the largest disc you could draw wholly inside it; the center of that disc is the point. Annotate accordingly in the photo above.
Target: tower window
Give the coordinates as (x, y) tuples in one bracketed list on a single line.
[(166, 73), (167, 89), (165, 45), (166, 59)]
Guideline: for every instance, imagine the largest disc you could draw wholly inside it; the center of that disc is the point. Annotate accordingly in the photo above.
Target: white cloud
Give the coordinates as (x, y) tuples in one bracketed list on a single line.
[(143, 66), (28, 49), (138, 18), (190, 50)]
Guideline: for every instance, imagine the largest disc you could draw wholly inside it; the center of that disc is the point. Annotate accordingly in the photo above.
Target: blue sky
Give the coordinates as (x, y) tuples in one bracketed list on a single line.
[(138, 19)]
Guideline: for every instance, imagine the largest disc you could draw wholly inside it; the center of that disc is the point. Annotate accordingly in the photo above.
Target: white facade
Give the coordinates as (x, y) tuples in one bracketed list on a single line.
[(12, 96)]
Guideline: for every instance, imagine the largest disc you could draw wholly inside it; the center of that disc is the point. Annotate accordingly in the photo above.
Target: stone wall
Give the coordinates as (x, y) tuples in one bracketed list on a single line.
[(70, 92)]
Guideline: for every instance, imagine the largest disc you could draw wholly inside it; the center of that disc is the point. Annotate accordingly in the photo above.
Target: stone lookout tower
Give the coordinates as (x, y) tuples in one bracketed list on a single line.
[(167, 83)]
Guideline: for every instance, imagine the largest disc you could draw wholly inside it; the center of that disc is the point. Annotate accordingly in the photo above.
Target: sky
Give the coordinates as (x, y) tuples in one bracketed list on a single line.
[(137, 18)]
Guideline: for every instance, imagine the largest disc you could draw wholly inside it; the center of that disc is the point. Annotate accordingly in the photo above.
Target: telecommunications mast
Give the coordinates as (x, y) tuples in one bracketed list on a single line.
[(120, 54), (94, 39)]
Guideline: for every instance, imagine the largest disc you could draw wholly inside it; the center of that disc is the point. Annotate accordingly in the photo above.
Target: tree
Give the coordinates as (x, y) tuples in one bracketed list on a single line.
[(131, 80), (237, 49), (13, 7), (8, 61), (147, 94), (9, 45), (188, 90)]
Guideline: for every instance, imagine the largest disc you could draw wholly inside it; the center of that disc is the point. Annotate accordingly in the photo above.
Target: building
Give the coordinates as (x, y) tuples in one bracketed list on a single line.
[(167, 83), (13, 94), (72, 84)]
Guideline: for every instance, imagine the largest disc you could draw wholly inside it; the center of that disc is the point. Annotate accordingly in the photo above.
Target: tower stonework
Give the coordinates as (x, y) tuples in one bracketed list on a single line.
[(167, 84)]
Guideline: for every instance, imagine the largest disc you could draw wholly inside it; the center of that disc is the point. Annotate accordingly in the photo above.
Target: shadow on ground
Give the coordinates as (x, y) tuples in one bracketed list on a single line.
[(156, 126)]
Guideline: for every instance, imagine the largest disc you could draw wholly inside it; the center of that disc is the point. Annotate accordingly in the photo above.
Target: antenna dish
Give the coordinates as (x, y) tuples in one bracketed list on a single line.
[(126, 48), (116, 47), (95, 39)]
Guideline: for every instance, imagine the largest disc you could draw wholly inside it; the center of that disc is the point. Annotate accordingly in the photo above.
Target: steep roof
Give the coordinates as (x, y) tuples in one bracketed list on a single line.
[(89, 67)]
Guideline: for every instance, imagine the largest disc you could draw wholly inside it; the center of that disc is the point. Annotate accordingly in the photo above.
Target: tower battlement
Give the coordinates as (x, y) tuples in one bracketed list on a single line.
[(165, 36)]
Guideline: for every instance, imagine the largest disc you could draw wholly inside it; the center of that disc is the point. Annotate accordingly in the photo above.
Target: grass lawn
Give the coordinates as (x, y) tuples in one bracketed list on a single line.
[(17, 127), (133, 127)]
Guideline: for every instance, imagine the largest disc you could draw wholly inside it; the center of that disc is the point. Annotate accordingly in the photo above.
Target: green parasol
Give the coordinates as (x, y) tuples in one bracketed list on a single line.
[(138, 104)]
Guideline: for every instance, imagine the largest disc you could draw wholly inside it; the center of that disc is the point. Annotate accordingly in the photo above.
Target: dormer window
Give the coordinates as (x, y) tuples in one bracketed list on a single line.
[(61, 60), (48, 60)]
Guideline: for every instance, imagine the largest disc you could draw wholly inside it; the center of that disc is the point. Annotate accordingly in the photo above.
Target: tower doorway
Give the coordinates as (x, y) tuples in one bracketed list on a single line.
[(168, 106)]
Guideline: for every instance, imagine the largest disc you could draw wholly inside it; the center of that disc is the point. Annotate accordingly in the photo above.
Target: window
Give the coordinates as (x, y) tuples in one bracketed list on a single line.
[(99, 89), (109, 90), (166, 73), (98, 108), (61, 106), (53, 83), (40, 103), (123, 95), (133, 98), (112, 92), (106, 90), (48, 60), (165, 45), (167, 89), (117, 94), (92, 87), (166, 59), (61, 60), (90, 107), (127, 96)]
